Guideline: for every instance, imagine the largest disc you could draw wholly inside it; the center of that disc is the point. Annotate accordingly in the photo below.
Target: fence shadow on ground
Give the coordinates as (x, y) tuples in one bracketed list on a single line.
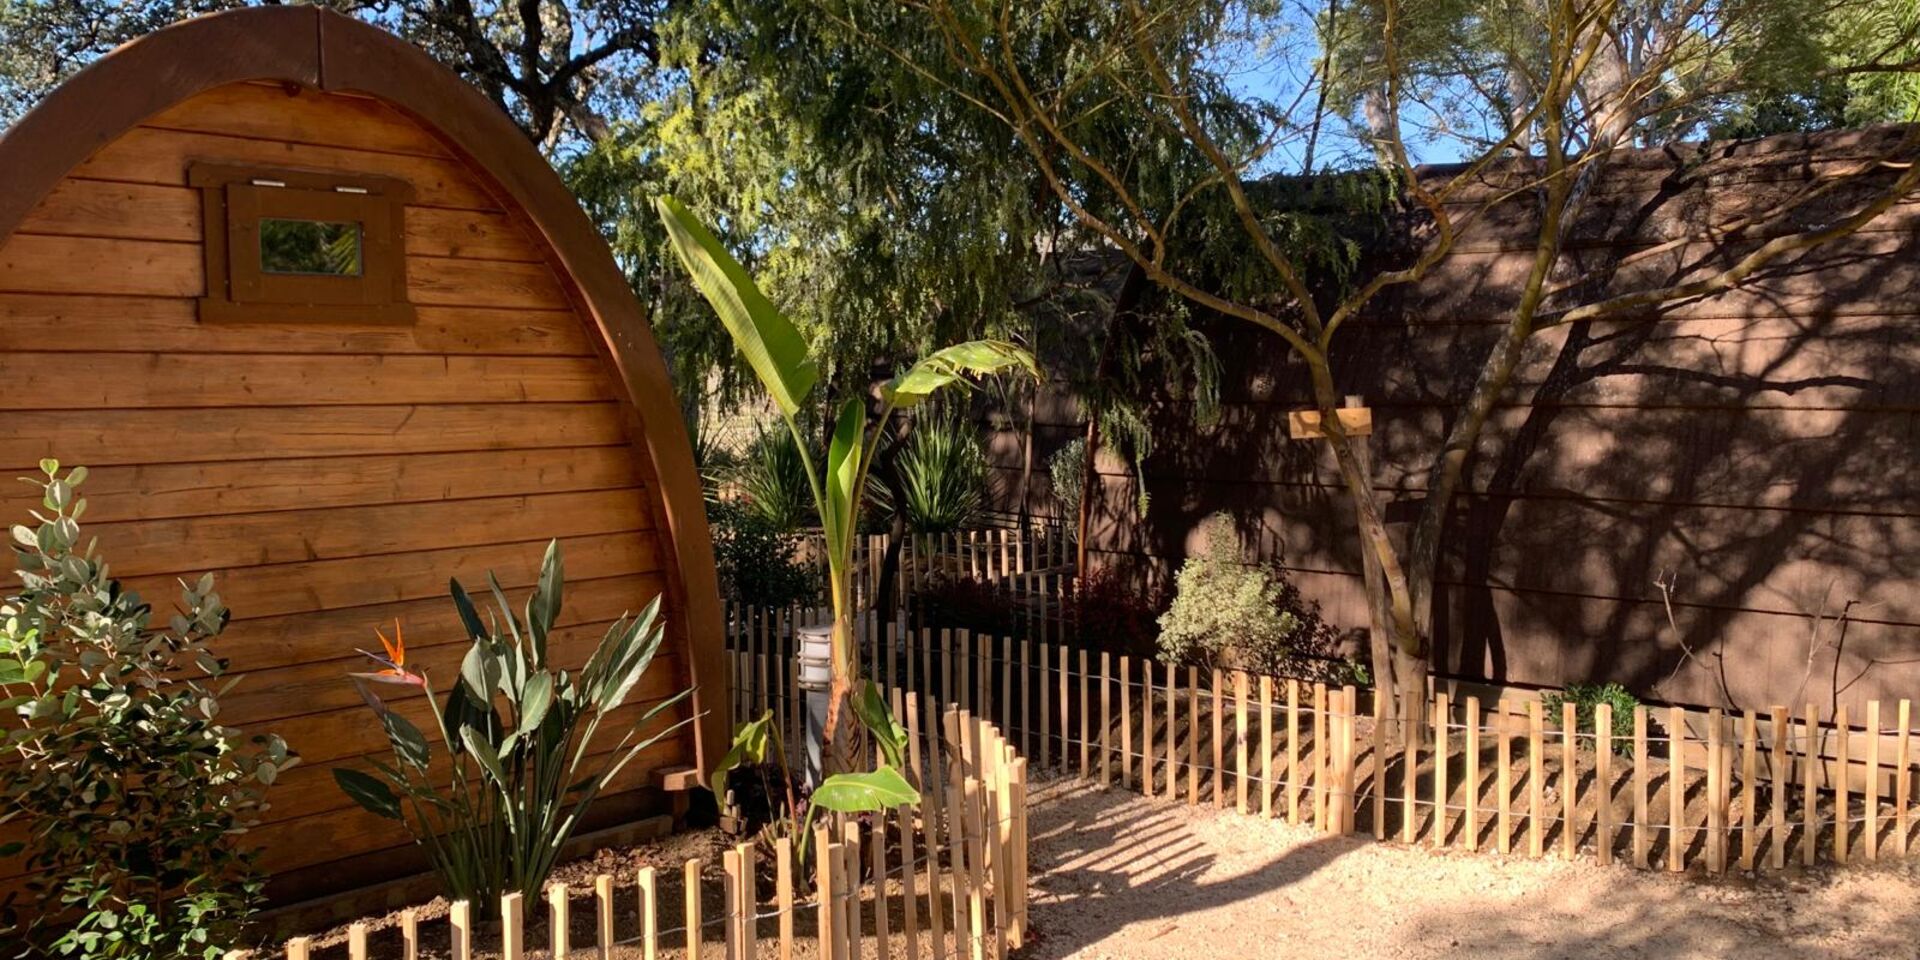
[(1103, 846)]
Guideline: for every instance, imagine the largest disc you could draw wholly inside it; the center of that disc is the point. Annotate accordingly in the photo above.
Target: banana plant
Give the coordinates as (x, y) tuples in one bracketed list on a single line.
[(779, 356), (756, 744)]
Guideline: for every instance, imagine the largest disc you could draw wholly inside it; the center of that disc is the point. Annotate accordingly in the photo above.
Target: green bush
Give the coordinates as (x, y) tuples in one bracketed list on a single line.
[(943, 474), (1067, 469), (493, 818), (1585, 697), (1228, 612), (773, 482), (756, 561), (135, 800)]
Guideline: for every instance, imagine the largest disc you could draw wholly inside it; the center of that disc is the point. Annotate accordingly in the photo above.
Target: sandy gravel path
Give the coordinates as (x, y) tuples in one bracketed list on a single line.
[(1120, 876)]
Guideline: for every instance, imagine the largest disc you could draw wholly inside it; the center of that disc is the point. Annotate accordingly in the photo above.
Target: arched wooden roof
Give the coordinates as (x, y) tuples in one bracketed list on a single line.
[(327, 51)]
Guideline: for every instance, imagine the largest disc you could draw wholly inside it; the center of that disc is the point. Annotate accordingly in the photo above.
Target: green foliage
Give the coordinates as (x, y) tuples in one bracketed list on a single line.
[(133, 798), (763, 335), (774, 483), (1585, 697), (757, 745), (1067, 469), (559, 68), (1228, 612), (520, 780), (943, 472), (1106, 610), (755, 560)]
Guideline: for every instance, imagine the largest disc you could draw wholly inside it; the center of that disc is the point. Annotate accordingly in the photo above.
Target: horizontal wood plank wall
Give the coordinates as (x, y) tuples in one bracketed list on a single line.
[(1754, 447), (332, 477)]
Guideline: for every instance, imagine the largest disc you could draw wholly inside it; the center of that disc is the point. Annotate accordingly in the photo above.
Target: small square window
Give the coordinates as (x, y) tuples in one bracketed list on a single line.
[(294, 245)]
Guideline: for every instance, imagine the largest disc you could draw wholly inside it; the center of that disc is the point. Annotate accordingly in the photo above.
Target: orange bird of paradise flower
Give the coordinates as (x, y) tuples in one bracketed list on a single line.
[(394, 664)]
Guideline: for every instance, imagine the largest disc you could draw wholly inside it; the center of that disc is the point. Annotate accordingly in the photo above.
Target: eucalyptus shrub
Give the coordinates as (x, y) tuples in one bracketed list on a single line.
[(1228, 612), (1067, 468), (134, 799)]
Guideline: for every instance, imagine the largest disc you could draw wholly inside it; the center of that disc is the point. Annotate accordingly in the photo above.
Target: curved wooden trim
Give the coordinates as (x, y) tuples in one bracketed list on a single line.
[(329, 51)]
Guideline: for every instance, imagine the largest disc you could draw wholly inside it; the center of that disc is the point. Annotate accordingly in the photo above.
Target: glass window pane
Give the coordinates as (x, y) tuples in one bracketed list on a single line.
[(323, 247)]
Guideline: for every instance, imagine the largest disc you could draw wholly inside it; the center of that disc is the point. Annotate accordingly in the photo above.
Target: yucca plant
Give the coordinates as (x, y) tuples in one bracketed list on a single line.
[(779, 356), (519, 735), (942, 472), (774, 482)]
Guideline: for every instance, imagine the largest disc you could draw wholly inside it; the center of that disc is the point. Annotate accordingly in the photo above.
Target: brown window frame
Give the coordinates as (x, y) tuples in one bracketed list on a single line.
[(235, 198)]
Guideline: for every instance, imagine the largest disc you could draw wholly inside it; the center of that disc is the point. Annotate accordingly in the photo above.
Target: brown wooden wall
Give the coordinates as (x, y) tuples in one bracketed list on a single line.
[(1757, 447), (332, 477)]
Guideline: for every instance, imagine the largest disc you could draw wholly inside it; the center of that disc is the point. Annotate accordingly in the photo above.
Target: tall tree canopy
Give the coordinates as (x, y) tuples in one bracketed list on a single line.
[(1536, 98)]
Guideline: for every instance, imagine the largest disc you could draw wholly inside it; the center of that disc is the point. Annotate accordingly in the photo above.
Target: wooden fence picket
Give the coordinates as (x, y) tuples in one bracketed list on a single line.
[(1173, 734), (1842, 789), (1641, 763), (1603, 782), (1086, 728), (1409, 775), (1106, 721), (1715, 816), (1870, 836), (1321, 761), (1240, 740), (1126, 721), (1379, 775), (1266, 747), (1903, 776), (909, 897), (460, 930), (1442, 716), (409, 934), (1219, 745), (690, 877), (1749, 782), (1470, 819), (1295, 784), (1147, 751), (1810, 800), (1677, 832), (559, 924), (1193, 736), (1503, 838), (513, 933), (1536, 779), (1569, 779), (1782, 763)]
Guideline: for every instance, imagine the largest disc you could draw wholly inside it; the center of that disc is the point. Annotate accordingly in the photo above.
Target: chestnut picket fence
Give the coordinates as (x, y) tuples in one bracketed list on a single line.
[(946, 880), (1668, 787)]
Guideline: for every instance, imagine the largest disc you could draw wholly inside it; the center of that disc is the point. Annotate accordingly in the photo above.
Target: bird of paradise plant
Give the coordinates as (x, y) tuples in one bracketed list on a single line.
[(774, 348), (520, 780)]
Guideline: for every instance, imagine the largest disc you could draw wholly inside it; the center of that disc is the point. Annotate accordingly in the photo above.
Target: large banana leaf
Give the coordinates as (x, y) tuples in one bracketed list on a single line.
[(770, 342), (975, 358), (882, 789)]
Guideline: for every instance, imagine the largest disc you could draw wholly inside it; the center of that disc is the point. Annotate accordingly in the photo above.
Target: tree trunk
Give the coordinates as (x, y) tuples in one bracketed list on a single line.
[(844, 750), (1398, 675), (1083, 516)]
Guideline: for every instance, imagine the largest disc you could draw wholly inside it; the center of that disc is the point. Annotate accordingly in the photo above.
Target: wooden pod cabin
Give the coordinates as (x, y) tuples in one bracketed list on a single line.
[(322, 321)]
